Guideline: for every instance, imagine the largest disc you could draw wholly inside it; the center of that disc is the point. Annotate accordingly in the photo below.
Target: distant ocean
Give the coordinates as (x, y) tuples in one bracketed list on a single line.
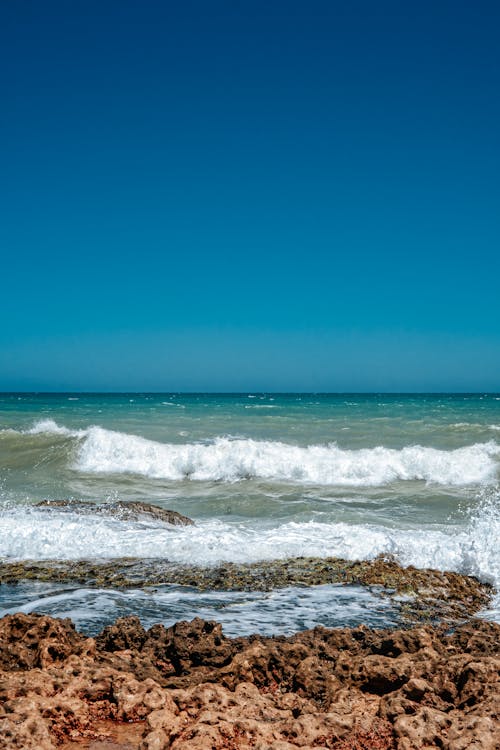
[(263, 476)]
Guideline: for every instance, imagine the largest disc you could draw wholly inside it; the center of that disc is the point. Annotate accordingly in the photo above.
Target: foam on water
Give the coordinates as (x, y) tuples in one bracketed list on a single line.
[(50, 427), (48, 533), (37, 534), (283, 611), (99, 451), (230, 460), (295, 466)]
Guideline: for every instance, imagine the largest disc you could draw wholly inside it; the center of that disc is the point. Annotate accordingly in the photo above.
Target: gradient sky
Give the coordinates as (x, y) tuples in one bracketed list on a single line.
[(250, 195)]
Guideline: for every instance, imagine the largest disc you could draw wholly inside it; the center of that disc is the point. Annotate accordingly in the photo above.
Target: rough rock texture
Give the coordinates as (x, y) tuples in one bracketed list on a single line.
[(190, 687), (428, 595), (133, 509), (28, 641)]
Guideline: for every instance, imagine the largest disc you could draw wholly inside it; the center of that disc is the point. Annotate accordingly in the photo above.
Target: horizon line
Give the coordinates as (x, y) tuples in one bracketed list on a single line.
[(246, 392)]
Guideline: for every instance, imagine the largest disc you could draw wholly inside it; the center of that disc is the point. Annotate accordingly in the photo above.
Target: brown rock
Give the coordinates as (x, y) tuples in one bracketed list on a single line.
[(134, 509), (338, 689), (28, 641), (138, 509), (125, 633)]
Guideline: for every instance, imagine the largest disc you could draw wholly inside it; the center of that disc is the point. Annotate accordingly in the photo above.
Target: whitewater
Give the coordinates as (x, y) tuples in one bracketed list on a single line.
[(412, 477), (102, 451)]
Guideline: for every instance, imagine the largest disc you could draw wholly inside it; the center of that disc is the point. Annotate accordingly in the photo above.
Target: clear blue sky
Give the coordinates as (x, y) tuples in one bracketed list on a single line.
[(250, 195)]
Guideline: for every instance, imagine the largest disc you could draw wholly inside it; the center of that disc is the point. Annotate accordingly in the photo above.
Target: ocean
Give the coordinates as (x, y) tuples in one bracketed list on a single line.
[(264, 477)]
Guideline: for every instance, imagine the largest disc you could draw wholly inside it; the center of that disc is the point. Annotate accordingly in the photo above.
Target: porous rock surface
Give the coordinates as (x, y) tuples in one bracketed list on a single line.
[(131, 509), (415, 595), (189, 686)]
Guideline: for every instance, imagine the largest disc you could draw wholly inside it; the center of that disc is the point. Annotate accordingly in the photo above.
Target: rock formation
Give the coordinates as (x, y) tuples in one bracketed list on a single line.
[(189, 687)]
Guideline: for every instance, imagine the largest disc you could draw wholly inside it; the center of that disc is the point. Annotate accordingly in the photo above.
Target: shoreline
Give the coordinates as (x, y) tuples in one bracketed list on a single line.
[(416, 595), (433, 682)]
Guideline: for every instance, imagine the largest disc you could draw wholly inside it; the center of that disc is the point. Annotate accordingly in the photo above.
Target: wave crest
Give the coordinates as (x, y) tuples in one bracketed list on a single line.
[(49, 427), (97, 450), (231, 460)]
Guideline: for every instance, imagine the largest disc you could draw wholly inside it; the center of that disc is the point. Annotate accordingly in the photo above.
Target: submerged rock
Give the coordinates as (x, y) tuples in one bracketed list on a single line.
[(130, 510), (136, 509), (420, 595), (190, 687)]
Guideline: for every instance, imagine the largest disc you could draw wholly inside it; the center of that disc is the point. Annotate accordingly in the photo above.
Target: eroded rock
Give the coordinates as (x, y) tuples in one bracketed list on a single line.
[(131, 509), (29, 641), (428, 596), (341, 689)]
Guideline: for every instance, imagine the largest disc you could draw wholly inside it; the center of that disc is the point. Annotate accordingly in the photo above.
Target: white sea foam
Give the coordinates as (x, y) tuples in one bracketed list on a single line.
[(49, 427), (37, 534), (49, 533), (282, 611), (475, 426), (224, 459), (231, 459)]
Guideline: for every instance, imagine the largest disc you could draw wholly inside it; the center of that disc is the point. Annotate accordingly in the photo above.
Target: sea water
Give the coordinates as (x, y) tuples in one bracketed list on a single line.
[(263, 476)]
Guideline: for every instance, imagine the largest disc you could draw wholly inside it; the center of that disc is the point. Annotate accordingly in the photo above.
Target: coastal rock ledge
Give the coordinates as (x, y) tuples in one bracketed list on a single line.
[(189, 686)]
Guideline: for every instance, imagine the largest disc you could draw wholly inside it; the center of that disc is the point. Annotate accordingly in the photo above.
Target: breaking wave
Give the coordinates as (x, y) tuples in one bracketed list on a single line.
[(28, 532), (49, 427), (100, 451)]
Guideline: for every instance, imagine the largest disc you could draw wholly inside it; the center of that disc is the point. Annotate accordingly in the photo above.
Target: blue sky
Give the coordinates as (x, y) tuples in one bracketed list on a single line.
[(250, 195)]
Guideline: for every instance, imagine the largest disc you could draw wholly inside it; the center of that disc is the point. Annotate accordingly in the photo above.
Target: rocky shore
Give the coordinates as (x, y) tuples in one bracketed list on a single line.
[(433, 684), (190, 687), (419, 596)]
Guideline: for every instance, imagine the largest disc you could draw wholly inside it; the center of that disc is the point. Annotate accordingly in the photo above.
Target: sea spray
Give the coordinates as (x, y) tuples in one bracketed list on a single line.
[(51, 533), (230, 460)]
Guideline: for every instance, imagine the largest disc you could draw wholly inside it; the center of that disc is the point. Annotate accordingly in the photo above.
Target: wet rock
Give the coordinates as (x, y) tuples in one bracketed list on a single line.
[(428, 596), (133, 510), (137, 510)]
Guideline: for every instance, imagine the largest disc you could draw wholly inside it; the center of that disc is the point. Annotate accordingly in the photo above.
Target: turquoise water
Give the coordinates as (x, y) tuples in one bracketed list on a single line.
[(262, 475)]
